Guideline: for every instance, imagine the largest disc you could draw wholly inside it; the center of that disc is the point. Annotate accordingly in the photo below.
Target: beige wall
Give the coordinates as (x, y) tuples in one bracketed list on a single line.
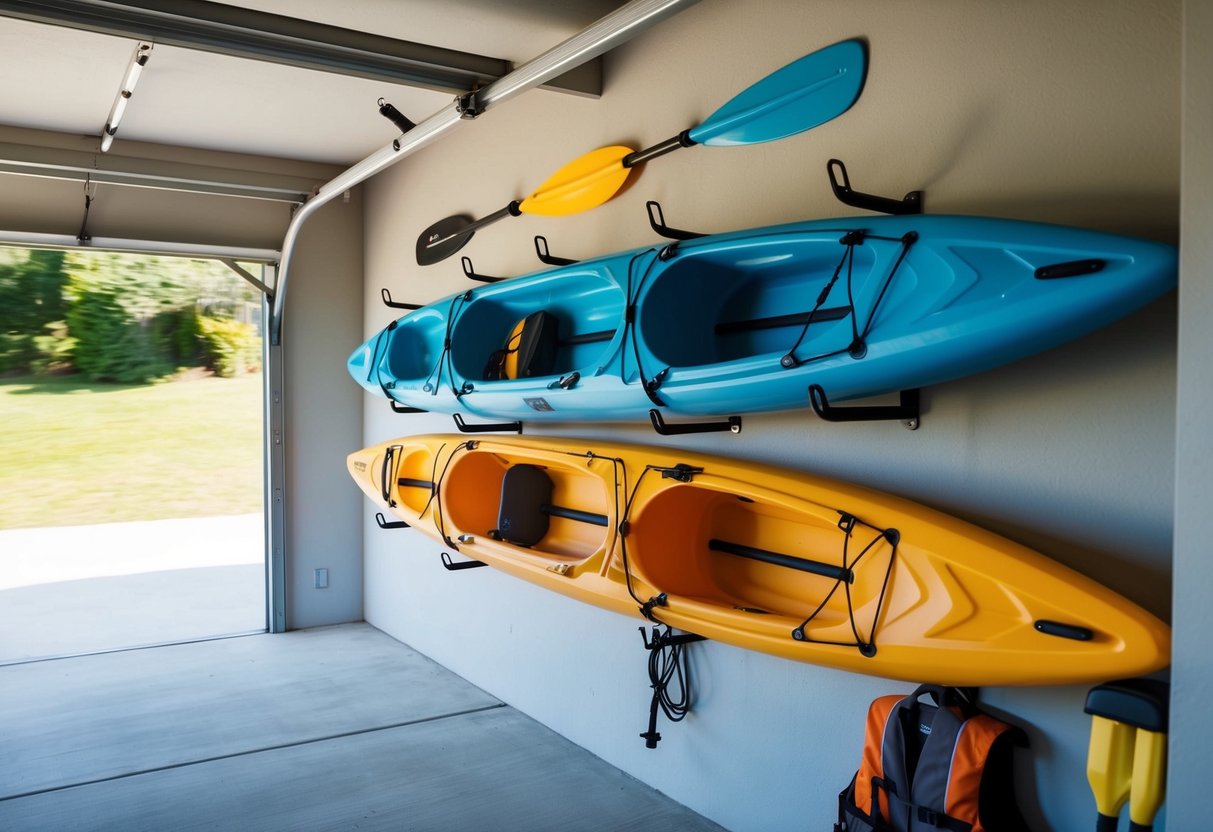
[(1038, 110), (323, 417)]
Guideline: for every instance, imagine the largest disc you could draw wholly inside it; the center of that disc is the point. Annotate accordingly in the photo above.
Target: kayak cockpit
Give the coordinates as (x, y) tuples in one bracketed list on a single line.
[(406, 476), (736, 553), (581, 317), (554, 511), (413, 346), (732, 303)]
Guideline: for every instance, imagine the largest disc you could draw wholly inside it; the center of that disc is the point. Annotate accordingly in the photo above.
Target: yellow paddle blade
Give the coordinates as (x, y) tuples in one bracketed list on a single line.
[(582, 184), (1149, 776), (1110, 764)]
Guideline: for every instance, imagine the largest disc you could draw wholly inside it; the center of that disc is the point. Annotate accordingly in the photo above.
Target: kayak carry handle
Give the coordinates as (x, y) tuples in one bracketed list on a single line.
[(911, 203)]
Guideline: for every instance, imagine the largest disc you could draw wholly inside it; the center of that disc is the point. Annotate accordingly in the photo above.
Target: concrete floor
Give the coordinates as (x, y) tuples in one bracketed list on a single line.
[(78, 589), (328, 729)]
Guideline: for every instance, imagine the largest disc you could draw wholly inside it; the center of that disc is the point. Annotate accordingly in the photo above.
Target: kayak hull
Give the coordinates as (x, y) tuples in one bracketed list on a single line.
[(747, 321), (765, 559)]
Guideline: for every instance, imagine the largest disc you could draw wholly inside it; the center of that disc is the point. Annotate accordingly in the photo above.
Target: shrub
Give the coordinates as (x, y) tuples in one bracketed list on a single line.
[(111, 343), (31, 296), (230, 347)]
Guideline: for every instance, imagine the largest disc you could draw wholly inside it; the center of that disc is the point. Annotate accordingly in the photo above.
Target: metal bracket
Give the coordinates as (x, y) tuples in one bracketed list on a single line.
[(464, 427), (452, 566), (545, 257), (733, 425), (470, 272), (911, 203), (907, 412), (469, 105), (657, 223), (384, 524), (397, 407), (660, 639), (387, 301)]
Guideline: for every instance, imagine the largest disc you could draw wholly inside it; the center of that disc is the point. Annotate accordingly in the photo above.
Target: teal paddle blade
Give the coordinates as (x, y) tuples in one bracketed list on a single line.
[(807, 92)]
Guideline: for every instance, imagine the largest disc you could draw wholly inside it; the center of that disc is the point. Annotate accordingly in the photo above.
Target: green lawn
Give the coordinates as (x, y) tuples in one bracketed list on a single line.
[(73, 453)]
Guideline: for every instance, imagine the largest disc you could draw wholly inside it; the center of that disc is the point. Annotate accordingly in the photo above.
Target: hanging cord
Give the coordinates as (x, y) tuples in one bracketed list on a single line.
[(666, 665), (866, 647)]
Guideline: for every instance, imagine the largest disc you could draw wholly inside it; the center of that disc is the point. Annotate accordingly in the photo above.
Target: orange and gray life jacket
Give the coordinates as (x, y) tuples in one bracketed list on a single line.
[(941, 765)]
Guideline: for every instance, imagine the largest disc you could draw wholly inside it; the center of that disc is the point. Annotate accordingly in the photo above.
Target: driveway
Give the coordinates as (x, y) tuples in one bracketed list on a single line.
[(79, 589)]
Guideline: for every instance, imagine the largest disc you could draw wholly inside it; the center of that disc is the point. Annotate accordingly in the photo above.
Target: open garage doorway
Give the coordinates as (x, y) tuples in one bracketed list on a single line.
[(132, 451)]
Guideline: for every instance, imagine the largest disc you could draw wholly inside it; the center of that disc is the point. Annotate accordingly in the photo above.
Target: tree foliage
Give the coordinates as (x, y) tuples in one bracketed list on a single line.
[(123, 318), (31, 299)]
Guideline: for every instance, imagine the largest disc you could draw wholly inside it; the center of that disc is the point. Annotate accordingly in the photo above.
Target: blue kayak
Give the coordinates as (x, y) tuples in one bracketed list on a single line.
[(746, 321)]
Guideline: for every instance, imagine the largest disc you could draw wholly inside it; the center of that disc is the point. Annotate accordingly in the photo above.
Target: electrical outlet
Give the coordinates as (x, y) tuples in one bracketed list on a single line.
[(322, 578)]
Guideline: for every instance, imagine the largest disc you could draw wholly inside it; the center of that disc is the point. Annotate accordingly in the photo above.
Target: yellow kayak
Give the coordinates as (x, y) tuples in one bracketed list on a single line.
[(765, 559)]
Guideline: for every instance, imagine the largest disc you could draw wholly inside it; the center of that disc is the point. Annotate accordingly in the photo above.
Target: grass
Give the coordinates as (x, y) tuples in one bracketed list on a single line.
[(74, 453)]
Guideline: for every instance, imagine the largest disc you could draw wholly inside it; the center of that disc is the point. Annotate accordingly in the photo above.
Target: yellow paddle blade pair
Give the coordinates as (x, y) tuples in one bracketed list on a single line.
[(1127, 764), (582, 184)]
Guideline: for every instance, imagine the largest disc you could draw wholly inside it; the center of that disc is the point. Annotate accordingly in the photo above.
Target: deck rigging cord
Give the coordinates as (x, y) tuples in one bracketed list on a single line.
[(857, 348)]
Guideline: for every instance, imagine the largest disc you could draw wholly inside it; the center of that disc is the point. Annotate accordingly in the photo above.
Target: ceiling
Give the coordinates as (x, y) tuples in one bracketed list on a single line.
[(65, 79)]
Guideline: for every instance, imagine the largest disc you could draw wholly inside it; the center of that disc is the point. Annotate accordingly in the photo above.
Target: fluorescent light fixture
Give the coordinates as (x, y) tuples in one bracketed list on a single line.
[(143, 51)]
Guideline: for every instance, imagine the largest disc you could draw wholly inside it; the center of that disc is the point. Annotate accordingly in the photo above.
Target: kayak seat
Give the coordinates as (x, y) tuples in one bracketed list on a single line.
[(530, 350), (521, 520), (526, 508)]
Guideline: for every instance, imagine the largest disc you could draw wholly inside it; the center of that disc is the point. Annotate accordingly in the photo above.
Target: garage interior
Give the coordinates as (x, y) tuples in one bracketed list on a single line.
[(402, 695)]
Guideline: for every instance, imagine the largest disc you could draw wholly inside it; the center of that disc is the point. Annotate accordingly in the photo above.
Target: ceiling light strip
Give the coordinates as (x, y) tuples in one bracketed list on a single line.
[(139, 59)]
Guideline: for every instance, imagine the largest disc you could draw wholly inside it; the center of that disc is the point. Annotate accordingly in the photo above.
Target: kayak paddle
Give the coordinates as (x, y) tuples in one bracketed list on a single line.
[(807, 92)]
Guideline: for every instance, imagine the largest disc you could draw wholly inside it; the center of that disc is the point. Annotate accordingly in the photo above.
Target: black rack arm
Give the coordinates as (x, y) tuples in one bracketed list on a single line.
[(453, 566), (657, 223), (545, 256), (384, 524), (908, 412), (911, 203), (395, 304), (732, 424), (470, 272), (464, 427)]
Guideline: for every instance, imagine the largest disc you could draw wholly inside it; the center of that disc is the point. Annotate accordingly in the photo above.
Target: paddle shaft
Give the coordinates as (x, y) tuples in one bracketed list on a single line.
[(514, 209), (805, 93), (511, 210)]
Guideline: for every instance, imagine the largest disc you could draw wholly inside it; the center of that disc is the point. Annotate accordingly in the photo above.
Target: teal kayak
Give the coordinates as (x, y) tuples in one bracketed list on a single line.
[(746, 321)]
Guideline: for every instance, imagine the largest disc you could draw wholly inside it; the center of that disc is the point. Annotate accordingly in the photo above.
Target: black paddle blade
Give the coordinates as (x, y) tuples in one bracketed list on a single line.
[(442, 239)]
